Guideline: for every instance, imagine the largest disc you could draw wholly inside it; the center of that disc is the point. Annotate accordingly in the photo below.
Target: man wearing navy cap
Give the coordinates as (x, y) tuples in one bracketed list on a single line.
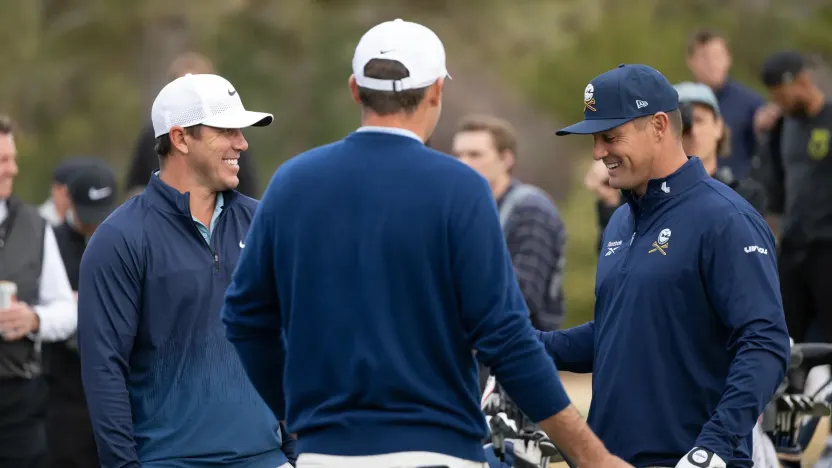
[(688, 342)]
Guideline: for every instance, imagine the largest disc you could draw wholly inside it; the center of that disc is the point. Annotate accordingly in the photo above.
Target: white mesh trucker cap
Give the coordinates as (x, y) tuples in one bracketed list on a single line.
[(416, 47), (202, 99)]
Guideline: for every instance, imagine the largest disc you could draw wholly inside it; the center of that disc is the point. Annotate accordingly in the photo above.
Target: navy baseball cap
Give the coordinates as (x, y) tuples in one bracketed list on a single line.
[(621, 95)]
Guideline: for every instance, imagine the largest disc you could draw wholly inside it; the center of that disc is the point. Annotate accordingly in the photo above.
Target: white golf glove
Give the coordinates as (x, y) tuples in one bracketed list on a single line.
[(701, 458)]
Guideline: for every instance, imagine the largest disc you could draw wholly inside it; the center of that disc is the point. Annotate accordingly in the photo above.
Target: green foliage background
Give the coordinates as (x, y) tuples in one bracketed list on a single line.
[(79, 75)]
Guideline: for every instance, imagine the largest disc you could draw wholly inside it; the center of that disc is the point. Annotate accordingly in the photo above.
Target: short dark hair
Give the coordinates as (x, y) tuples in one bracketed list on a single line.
[(502, 132), (389, 102), (701, 37), (6, 125), (163, 144), (674, 116)]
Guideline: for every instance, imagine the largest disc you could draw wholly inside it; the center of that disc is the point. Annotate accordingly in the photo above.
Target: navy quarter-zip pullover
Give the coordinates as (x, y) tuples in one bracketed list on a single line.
[(689, 340), (374, 266), (164, 387)]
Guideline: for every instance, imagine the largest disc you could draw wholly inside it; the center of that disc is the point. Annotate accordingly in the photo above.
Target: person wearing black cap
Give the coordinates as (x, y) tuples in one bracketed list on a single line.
[(796, 168), (92, 197), (54, 208), (687, 295)]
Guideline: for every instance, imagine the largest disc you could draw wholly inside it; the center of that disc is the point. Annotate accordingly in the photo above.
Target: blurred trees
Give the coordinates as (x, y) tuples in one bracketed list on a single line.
[(79, 75)]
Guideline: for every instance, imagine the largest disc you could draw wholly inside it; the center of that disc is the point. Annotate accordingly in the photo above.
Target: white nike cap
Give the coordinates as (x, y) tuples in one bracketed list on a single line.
[(202, 99), (416, 47)]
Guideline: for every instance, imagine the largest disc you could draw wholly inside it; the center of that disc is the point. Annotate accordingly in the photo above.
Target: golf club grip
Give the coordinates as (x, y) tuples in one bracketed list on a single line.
[(814, 354)]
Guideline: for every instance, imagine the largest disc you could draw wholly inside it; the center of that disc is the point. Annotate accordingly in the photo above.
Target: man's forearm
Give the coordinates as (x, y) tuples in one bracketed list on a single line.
[(572, 435)]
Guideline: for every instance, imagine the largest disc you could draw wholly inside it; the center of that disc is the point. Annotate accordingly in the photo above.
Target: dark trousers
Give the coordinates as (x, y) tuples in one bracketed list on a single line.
[(35, 461), (805, 274), (22, 423), (69, 436)]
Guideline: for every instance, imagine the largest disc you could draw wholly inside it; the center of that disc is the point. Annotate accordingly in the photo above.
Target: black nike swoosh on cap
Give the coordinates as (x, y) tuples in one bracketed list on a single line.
[(232, 92)]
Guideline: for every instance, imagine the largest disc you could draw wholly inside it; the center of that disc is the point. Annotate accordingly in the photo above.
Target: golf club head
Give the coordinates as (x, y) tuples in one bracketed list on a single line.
[(821, 409), (785, 404)]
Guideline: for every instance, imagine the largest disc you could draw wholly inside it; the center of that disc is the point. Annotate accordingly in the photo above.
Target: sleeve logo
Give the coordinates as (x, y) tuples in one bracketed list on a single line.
[(755, 248)]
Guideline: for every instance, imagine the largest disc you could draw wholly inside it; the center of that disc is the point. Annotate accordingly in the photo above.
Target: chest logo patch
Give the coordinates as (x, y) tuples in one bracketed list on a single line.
[(661, 244), (818, 147)]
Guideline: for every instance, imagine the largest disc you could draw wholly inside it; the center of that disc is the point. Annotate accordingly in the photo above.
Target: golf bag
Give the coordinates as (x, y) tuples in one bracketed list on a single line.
[(515, 440)]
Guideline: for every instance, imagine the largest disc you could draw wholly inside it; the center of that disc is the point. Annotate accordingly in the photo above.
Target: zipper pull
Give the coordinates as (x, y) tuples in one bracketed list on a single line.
[(216, 261)]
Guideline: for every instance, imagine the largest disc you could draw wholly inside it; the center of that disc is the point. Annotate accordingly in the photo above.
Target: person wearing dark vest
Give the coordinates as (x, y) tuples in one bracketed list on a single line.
[(92, 197), (534, 231), (43, 310)]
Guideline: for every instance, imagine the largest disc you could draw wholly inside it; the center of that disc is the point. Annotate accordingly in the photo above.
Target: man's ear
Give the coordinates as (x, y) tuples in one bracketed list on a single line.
[(509, 159), (177, 139), (434, 93), (660, 123), (354, 89)]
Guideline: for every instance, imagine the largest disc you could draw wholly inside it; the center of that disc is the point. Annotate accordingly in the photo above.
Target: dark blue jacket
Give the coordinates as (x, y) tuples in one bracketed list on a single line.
[(373, 268), (689, 341), (738, 104), (164, 386)]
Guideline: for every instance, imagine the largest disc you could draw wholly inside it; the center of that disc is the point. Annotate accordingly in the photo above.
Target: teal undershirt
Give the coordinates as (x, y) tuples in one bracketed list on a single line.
[(207, 231)]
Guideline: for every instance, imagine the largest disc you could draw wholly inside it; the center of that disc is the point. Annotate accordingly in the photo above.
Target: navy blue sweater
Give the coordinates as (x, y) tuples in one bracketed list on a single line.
[(689, 340), (374, 266), (163, 385)]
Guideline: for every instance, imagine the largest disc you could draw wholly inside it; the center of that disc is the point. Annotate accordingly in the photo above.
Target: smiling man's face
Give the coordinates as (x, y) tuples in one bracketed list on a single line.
[(626, 151), (8, 165)]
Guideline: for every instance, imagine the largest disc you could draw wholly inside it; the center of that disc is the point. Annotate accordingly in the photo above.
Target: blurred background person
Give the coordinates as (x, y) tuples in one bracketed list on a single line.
[(145, 161), (54, 208), (534, 231), (797, 170), (709, 60), (705, 135), (43, 310), (92, 193)]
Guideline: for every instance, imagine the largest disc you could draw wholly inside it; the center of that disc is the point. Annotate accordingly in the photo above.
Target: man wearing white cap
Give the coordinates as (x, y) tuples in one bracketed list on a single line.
[(163, 385), (372, 269)]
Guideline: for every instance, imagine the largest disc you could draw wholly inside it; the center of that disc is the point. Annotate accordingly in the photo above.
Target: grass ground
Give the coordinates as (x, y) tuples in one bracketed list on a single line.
[(579, 388)]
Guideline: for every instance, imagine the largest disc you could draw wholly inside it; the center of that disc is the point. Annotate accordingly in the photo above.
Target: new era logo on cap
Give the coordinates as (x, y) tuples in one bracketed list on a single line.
[(416, 47), (621, 95), (202, 100)]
